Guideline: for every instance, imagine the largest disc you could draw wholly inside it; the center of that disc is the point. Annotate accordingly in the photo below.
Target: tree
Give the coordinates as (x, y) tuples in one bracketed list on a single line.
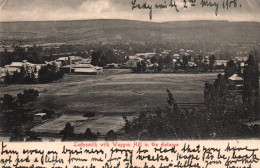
[(139, 67), (8, 78), (49, 73), (185, 60), (239, 70), (9, 102), (16, 135), (68, 132), (219, 85), (27, 96), (251, 73), (160, 64), (212, 61), (111, 136), (95, 57), (168, 61), (230, 69), (154, 59), (88, 135), (143, 64), (251, 85)]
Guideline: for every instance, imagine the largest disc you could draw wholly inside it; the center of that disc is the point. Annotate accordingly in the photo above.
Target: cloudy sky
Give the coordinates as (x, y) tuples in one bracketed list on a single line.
[(41, 10)]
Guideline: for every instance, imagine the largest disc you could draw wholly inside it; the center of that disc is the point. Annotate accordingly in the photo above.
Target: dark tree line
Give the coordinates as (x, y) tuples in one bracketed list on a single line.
[(46, 74), (250, 92), (194, 123), (49, 73), (69, 135), (15, 113), (104, 56), (33, 54)]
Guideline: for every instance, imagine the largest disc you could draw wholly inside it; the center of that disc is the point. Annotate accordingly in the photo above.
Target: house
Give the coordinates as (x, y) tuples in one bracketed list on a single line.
[(164, 53), (8, 69), (82, 68), (221, 62), (2, 78), (57, 64), (142, 55), (241, 59), (236, 81), (181, 51), (145, 55), (39, 116), (176, 56), (86, 61), (17, 66), (134, 57), (132, 63), (190, 51), (62, 59), (30, 67), (113, 65), (89, 71)]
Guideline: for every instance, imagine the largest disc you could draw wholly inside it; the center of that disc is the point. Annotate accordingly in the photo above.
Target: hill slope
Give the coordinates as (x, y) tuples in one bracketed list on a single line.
[(126, 30)]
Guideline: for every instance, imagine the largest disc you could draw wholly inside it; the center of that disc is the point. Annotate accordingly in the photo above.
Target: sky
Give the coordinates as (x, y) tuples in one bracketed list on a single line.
[(46, 10)]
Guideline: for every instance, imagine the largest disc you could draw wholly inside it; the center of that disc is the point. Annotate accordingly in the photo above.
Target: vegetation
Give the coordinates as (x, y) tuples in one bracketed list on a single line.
[(230, 69), (69, 135), (103, 56), (16, 114), (33, 54), (218, 122), (220, 119), (22, 77), (11, 102), (49, 73), (136, 36), (46, 74), (250, 92)]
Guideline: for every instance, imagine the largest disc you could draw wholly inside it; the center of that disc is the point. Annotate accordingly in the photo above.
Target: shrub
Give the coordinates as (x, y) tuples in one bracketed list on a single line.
[(201, 123)]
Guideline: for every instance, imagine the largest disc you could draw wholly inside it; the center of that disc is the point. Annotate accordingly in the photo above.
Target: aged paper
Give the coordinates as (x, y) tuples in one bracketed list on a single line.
[(129, 83)]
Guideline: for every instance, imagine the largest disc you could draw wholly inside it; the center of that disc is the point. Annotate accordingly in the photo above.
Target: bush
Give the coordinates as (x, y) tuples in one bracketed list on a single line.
[(27, 96), (49, 73), (69, 135), (89, 114), (174, 123)]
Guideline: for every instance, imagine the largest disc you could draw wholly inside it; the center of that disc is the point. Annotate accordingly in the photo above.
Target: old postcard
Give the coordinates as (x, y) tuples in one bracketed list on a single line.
[(129, 83)]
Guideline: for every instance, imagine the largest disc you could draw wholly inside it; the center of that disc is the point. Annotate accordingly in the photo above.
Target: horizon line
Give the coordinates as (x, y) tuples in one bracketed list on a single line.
[(221, 20)]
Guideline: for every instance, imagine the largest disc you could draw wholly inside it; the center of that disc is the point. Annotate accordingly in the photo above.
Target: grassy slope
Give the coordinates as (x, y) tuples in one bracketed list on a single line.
[(107, 30), (111, 92)]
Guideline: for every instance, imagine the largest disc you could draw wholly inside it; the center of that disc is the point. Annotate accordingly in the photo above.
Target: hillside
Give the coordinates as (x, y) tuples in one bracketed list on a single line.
[(126, 30)]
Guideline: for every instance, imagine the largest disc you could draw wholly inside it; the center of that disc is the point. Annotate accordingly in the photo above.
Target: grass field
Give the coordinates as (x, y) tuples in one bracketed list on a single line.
[(101, 124), (115, 91)]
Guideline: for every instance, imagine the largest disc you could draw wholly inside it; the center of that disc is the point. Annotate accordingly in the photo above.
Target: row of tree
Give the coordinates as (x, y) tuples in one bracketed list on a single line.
[(69, 135), (15, 113), (250, 91), (214, 122), (46, 74), (166, 62), (104, 56)]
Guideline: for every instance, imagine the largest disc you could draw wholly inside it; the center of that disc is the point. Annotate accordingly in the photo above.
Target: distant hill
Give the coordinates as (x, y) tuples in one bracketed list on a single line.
[(127, 30)]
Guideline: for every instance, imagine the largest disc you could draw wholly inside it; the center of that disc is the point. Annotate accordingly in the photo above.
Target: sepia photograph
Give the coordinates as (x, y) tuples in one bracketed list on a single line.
[(128, 70)]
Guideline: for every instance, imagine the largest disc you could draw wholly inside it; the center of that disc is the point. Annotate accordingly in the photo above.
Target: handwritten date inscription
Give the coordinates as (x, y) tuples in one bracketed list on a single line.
[(183, 4)]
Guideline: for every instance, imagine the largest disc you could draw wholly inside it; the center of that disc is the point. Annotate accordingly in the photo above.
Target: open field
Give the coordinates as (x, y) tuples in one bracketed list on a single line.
[(115, 91), (101, 124)]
